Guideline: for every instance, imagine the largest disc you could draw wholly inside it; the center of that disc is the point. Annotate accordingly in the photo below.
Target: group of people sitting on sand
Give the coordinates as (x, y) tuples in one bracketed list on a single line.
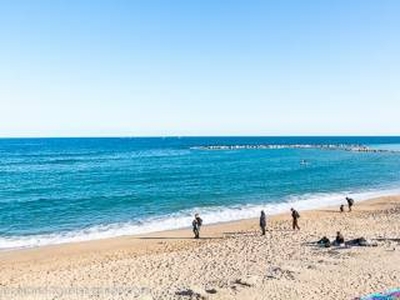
[(339, 241), (198, 222), (325, 242)]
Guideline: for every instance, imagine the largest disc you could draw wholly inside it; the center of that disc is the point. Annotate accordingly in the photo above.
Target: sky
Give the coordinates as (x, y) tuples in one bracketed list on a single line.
[(189, 68)]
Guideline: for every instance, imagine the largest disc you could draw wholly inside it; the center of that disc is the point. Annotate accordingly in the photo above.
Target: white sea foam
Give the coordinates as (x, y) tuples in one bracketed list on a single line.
[(210, 215)]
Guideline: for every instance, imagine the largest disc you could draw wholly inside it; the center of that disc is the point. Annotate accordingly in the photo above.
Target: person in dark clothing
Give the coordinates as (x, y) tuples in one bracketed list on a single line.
[(197, 222), (350, 202), (263, 222), (339, 239), (341, 208), (325, 242), (295, 217)]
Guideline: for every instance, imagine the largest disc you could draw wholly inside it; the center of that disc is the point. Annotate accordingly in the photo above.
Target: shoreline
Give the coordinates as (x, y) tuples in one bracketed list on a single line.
[(224, 214), (231, 261), (213, 230)]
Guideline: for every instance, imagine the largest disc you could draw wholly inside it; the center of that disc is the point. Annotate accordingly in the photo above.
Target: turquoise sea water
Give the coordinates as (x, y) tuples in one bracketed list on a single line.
[(64, 190)]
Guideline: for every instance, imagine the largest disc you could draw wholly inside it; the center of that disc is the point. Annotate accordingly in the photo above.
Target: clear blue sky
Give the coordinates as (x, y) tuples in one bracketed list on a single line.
[(144, 68)]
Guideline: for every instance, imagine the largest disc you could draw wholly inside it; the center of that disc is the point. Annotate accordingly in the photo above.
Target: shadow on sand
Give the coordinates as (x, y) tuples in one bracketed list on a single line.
[(331, 211), (175, 238), (388, 240)]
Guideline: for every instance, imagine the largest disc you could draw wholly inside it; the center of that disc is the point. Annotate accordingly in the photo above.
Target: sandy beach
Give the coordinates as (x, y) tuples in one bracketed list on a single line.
[(230, 261)]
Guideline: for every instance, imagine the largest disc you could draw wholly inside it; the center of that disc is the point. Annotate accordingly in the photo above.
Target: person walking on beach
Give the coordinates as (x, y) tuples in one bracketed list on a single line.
[(197, 222), (350, 202), (295, 218), (341, 208), (263, 222)]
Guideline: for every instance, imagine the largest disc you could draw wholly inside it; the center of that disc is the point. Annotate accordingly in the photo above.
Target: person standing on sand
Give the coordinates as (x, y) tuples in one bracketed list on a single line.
[(295, 217), (350, 202), (341, 208), (197, 222), (263, 222)]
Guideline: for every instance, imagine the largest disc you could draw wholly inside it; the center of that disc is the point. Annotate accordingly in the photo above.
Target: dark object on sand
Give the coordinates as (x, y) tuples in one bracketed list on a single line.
[(361, 242), (325, 242), (342, 208), (295, 217), (350, 202), (211, 291), (197, 222), (263, 222), (357, 242), (339, 239)]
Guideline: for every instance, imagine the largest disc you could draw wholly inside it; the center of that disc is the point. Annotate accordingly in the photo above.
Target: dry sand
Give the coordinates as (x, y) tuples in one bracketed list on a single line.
[(231, 261)]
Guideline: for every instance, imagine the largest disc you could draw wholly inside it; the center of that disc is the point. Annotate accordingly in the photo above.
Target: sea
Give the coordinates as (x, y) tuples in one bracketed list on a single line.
[(62, 190)]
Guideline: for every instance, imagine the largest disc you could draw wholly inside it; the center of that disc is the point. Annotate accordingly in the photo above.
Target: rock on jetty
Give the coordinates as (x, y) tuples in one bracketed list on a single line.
[(345, 147)]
